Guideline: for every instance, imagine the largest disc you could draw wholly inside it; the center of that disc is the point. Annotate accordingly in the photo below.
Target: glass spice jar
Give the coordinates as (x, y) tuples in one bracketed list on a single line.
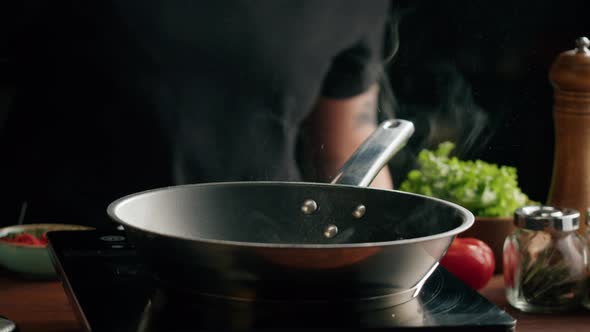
[(545, 260)]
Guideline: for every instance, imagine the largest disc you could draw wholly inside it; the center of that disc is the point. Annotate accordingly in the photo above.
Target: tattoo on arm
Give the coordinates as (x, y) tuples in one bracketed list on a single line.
[(367, 115)]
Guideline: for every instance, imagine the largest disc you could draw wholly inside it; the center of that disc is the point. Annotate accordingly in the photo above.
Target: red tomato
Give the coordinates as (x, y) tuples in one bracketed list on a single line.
[(511, 260), (470, 260)]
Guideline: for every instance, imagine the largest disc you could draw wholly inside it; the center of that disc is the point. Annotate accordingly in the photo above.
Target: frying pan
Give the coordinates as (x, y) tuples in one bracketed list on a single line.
[(271, 243)]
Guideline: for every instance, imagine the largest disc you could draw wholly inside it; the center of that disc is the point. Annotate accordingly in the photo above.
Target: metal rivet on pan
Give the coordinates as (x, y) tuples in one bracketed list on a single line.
[(309, 206), (359, 211), (330, 231)]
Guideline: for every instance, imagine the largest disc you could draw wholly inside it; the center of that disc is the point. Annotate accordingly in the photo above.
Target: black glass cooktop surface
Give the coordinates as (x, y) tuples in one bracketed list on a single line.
[(111, 291)]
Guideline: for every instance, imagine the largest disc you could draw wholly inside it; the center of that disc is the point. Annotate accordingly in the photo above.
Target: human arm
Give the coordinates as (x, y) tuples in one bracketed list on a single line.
[(346, 112), (336, 128)]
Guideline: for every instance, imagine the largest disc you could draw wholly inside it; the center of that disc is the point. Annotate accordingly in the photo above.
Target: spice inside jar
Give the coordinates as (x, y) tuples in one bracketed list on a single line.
[(545, 260)]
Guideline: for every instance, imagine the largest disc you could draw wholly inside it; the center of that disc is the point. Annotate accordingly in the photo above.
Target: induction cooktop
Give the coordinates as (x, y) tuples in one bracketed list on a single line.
[(111, 291)]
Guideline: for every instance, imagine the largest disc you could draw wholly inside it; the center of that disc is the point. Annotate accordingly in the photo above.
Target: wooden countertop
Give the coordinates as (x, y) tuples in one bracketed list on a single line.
[(577, 321), (43, 306), (36, 305)]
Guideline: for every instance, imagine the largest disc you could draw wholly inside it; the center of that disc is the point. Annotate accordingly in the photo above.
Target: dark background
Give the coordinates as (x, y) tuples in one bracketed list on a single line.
[(476, 72), (471, 71)]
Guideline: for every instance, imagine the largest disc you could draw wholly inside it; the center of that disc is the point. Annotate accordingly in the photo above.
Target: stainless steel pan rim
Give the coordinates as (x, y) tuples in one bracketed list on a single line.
[(468, 217)]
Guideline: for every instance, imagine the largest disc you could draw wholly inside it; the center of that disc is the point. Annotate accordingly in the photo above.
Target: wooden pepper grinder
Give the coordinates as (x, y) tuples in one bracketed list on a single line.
[(570, 182)]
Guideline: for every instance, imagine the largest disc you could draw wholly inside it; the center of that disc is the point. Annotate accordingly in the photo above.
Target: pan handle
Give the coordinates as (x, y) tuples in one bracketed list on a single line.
[(366, 162)]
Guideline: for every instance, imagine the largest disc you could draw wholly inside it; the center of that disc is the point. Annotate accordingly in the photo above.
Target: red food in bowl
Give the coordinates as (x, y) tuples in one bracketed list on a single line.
[(26, 238)]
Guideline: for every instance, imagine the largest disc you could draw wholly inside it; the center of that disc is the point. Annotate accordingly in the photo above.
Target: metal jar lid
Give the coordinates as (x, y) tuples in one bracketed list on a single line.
[(547, 217)]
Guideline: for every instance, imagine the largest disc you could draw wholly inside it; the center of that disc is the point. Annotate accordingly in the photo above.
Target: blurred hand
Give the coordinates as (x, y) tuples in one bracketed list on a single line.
[(336, 128)]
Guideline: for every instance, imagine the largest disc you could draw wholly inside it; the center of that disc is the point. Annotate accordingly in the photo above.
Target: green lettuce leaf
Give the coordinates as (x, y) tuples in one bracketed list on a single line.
[(487, 190)]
